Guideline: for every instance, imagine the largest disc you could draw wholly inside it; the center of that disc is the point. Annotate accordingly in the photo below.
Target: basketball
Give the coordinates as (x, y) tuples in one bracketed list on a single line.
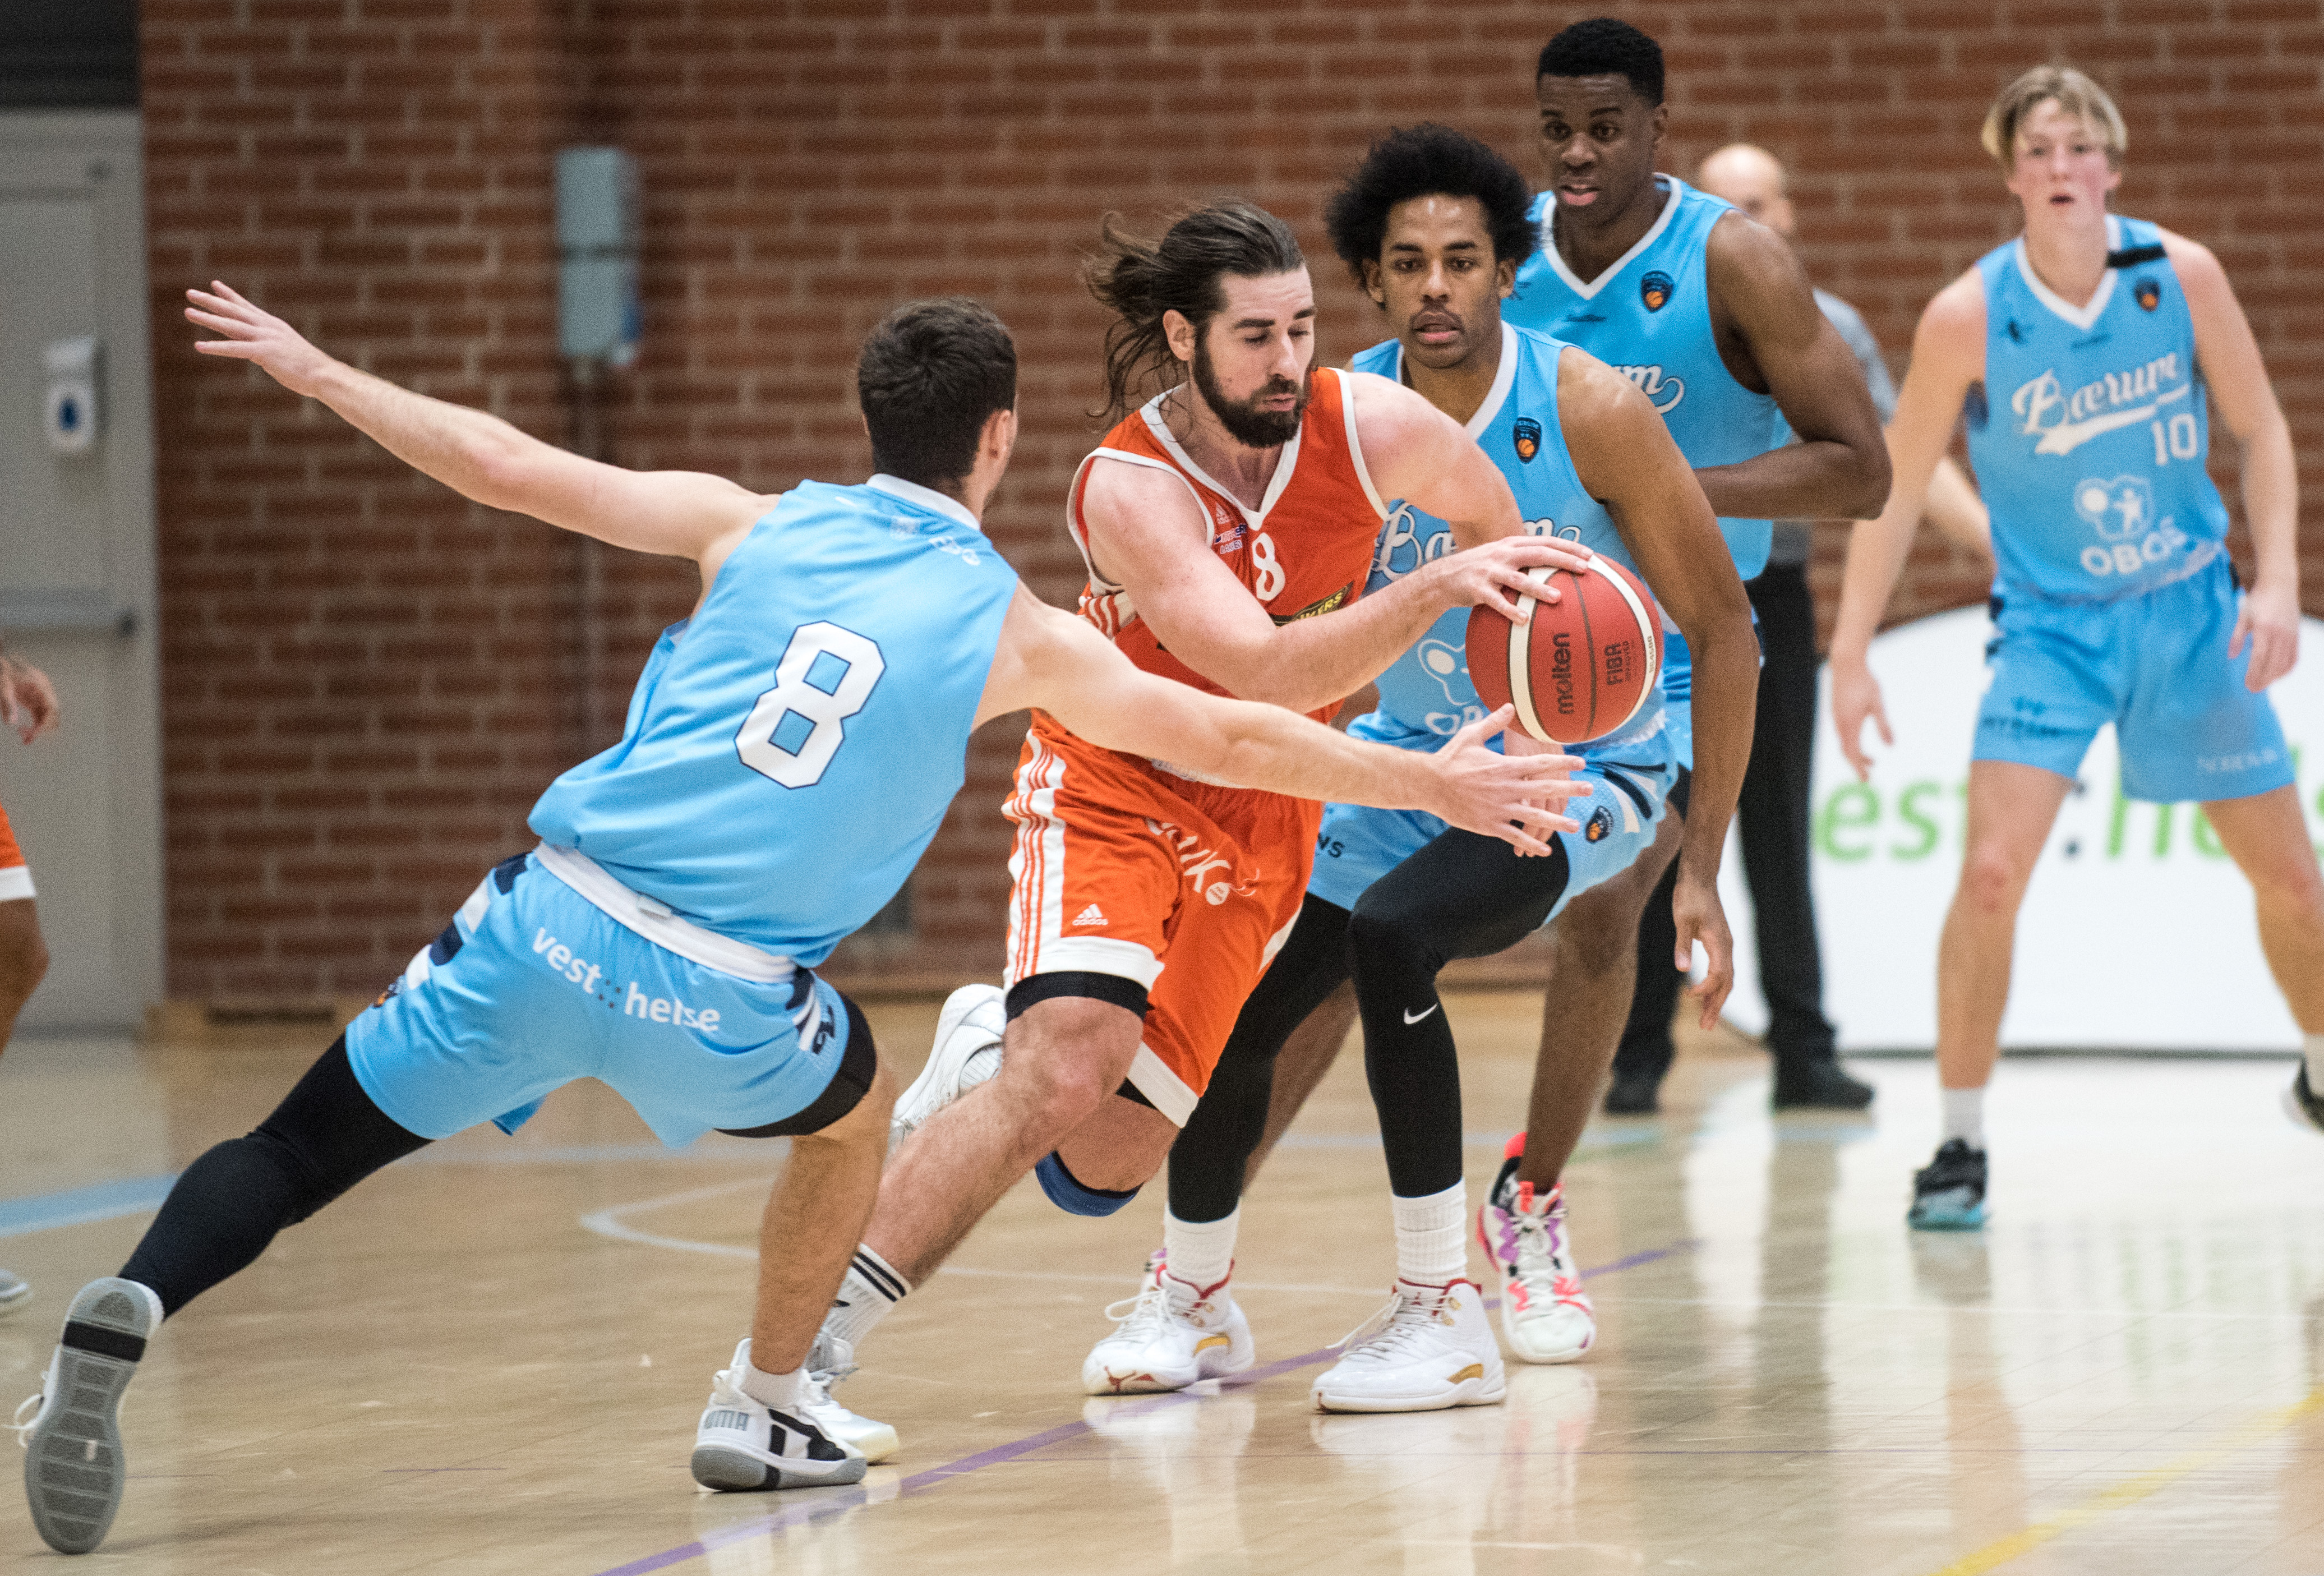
[(1584, 664)]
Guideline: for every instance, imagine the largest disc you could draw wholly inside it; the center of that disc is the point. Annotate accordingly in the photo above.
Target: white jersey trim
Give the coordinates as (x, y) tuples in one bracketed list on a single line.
[(1151, 414), (1078, 529), (1356, 442), (652, 919), (1671, 183), (1151, 1077), (15, 883), (2084, 317), (1505, 378), (927, 498)]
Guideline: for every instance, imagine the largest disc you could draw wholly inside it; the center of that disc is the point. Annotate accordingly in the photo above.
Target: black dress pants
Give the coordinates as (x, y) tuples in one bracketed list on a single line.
[(1772, 819)]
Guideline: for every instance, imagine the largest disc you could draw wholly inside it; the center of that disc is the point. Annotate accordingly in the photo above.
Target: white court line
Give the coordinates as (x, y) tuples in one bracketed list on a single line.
[(610, 1222)]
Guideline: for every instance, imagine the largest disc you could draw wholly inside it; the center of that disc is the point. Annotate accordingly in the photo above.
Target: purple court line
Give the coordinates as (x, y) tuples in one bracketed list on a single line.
[(835, 1502)]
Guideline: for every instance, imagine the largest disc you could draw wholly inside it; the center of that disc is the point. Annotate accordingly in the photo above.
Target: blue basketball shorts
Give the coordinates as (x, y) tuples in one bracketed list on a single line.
[(1629, 787), (2156, 667), (533, 986)]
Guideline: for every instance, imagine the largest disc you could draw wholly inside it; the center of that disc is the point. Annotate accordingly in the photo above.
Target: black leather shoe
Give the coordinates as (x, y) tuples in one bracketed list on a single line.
[(1633, 1094), (1820, 1084)]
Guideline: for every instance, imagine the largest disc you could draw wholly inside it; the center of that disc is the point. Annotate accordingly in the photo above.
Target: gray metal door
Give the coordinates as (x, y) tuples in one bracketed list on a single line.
[(77, 554)]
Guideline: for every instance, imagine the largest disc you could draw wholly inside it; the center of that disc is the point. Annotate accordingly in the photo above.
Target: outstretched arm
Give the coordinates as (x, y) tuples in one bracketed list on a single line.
[(1625, 456), (680, 513), (1947, 356), (2238, 379), (1053, 661), (1839, 469)]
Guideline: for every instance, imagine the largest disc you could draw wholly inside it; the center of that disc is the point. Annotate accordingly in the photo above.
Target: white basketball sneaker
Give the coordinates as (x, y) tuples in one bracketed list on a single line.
[(967, 1052), (1173, 1333), (829, 1360), (15, 1291), (1544, 1312), (741, 1444), (73, 1471), (1431, 1347)]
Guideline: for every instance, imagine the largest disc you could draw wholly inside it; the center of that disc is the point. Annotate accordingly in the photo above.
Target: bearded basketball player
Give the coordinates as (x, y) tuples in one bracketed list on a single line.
[(1228, 525)]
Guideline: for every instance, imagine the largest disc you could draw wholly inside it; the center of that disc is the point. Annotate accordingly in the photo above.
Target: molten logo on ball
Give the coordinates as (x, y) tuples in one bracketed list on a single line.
[(1582, 666)]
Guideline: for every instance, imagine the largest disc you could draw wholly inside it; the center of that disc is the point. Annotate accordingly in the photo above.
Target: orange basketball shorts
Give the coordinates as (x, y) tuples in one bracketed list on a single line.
[(15, 875), (1124, 868)]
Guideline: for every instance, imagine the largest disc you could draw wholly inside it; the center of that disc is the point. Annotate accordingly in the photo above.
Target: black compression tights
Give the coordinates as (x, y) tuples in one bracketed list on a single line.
[(1461, 896), (325, 1137)]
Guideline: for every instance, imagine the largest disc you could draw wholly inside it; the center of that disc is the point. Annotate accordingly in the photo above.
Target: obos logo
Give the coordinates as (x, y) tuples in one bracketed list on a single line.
[(2149, 294), (1655, 290), (1528, 433), (2119, 511)]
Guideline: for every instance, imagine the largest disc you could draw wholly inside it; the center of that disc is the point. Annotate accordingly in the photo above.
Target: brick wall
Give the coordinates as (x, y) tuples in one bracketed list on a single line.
[(368, 680), (365, 679)]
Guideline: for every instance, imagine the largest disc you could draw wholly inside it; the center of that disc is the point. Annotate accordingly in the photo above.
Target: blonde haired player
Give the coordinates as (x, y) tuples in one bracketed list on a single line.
[(2082, 352)]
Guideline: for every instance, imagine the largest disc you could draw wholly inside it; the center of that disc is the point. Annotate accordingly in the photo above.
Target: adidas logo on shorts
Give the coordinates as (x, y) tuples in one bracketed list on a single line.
[(1092, 915)]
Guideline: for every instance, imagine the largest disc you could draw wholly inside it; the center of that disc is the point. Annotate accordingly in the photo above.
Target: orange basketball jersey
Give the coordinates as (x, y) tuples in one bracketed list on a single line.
[(1306, 548)]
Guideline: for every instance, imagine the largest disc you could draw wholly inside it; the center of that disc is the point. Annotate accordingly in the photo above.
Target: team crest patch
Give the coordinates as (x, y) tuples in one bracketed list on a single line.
[(1528, 432), (1600, 827), (2149, 294), (1655, 290)]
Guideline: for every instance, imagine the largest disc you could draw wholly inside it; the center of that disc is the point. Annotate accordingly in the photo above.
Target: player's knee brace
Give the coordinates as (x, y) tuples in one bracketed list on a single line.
[(1073, 1195)]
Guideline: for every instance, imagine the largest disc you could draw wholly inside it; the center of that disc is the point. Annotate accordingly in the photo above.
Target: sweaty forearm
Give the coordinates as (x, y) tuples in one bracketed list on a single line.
[(1877, 551), (1823, 480), (1726, 699), (2271, 489), (1311, 662), (459, 447), (1267, 748)]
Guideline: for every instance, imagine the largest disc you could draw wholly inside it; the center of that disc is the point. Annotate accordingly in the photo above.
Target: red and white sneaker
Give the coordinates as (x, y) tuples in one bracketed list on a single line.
[(1173, 1333), (1544, 1312)]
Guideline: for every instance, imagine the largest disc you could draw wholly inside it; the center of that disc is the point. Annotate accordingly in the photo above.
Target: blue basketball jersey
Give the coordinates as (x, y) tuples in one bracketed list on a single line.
[(2089, 432), (791, 749), (1427, 694), (1648, 316)]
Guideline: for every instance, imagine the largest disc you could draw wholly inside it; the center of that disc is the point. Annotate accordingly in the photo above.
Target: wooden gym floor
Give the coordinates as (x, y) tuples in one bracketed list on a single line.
[(490, 1358)]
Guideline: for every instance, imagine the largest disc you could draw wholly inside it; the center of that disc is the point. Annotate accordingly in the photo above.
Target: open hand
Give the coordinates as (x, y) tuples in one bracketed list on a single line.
[(1855, 695), (1695, 907), (252, 334), (1507, 574), (28, 701), (2269, 619), (1514, 798)]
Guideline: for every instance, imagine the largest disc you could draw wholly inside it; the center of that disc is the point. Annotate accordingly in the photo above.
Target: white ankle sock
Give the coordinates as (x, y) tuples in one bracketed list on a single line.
[(1432, 1242), (1200, 1252), (871, 1287), (783, 1392), (1965, 1115), (2312, 1047)]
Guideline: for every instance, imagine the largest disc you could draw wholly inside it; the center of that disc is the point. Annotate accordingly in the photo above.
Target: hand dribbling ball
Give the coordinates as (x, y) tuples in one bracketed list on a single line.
[(1582, 666)]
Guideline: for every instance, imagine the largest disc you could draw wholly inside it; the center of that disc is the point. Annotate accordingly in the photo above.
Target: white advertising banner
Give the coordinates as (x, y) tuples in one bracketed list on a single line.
[(2138, 932)]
